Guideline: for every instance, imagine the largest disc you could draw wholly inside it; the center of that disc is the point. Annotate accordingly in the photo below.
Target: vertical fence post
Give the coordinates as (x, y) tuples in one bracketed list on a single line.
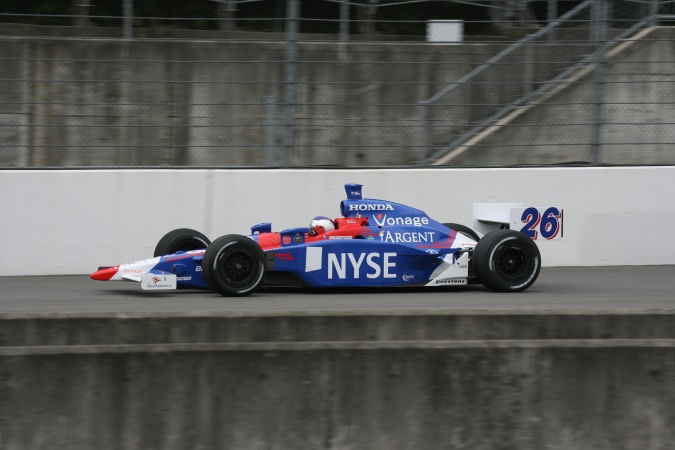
[(654, 12), (128, 19), (552, 15), (600, 16), (81, 10), (344, 20), (372, 15), (529, 66), (131, 130), (422, 138), (227, 16), (270, 113), (290, 67)]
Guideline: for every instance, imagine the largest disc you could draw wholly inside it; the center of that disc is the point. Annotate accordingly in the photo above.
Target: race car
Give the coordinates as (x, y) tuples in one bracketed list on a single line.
[(374, 243)]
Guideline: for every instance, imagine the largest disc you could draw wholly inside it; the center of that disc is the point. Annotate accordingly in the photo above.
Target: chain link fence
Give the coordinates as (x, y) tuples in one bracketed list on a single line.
[(335, 83)]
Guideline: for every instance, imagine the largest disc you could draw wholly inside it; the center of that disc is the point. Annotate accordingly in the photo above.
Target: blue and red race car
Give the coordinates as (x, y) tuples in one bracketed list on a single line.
[(375, 243)]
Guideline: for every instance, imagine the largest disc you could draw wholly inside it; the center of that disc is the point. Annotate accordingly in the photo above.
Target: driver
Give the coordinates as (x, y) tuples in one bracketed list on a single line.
[(320, 225)]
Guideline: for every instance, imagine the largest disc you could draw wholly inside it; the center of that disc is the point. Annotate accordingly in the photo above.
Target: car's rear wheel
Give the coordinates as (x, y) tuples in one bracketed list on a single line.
[(234, 265), (506, 261), (181, 240)]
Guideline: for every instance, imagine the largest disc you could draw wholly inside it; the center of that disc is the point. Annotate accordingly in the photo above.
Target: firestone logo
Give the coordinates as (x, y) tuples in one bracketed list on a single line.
[(372, 207), (452, 281)]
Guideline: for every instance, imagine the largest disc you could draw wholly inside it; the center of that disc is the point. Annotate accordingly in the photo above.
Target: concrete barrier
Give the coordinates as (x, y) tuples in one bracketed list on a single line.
[(179, 328), (610, 394), (72, 221)]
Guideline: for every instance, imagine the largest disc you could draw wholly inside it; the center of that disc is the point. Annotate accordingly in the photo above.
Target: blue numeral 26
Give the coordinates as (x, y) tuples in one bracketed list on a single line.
[(548, 223)]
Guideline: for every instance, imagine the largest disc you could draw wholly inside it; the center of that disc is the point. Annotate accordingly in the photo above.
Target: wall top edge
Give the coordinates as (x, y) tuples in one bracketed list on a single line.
[(335, 313), (340, 170)]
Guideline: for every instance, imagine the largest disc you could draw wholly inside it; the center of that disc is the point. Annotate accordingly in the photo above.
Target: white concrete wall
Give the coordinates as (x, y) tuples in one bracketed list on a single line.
[(72, 221)]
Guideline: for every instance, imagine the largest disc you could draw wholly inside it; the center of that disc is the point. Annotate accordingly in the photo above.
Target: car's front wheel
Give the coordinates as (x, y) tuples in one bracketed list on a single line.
[(506, 261), (234, 265)]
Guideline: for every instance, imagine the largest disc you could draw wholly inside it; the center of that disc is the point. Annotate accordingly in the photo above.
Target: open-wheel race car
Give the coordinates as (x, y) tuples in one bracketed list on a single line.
[(375, 243)]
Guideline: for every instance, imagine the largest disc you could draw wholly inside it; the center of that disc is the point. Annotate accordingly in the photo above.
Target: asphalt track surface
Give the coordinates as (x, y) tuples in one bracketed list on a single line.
[(563, 288)]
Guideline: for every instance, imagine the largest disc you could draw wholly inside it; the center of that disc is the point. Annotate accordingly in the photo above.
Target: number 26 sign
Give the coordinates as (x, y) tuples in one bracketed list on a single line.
[(538, 223)]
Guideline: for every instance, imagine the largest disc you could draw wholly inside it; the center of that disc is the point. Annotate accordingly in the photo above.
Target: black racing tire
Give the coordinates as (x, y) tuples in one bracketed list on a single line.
[(464, 230), (506, 261), (234, 265), (181, 240)]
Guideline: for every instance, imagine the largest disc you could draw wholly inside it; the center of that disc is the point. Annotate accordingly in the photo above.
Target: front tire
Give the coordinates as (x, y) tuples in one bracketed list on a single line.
[(506, 261), (234, 265), (181, 240)]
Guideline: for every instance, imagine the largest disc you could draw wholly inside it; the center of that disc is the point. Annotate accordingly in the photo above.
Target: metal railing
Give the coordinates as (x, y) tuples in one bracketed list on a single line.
[(591, 14), (522, 89)]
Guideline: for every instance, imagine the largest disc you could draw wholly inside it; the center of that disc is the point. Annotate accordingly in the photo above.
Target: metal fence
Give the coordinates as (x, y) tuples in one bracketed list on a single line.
[(333, 83)]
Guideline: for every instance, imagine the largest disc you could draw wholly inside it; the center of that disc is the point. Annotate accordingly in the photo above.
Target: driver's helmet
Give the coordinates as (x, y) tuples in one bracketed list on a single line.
[(320, 225)]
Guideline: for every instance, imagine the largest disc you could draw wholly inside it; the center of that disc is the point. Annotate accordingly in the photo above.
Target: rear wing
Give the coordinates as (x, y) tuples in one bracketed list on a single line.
[(544, 223)]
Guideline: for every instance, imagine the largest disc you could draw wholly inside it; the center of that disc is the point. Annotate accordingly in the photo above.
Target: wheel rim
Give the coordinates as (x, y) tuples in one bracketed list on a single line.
[(238, 268), (512, 263)]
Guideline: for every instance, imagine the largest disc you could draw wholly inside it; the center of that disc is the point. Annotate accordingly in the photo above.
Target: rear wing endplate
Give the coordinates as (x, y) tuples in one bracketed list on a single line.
[(536, 222)]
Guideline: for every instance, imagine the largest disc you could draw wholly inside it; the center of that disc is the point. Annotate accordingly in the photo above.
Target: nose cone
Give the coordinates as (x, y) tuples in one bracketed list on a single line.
[(105, 274)]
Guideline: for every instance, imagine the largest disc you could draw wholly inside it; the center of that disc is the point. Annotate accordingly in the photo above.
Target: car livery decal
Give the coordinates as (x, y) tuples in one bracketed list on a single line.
[(447, 243), (351, 265)]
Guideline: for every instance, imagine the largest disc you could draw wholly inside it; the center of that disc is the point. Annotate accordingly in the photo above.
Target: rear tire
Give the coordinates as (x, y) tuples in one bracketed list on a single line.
[(506, 261), (234, 265), (181, 240)]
